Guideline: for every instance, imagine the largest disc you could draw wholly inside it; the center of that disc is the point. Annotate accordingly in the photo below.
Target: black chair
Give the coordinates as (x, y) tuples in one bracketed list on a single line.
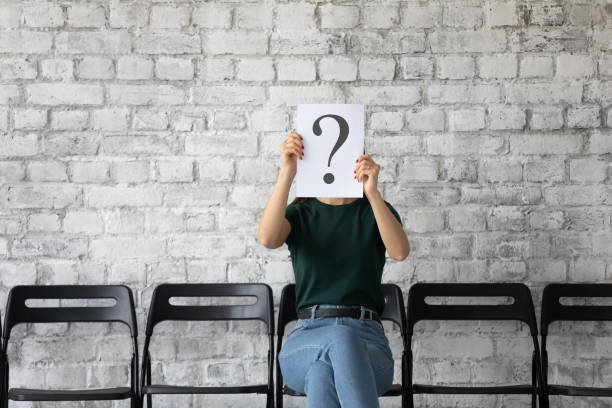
[(393, 311), (17, 312), (520, 310), (162, 310), (553, 310)]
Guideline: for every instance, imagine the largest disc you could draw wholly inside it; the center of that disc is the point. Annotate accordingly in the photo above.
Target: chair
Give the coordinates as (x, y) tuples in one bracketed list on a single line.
[(17, 312), (162, 310), (553, 310), (2, 372), (520, 310), (393, 311)]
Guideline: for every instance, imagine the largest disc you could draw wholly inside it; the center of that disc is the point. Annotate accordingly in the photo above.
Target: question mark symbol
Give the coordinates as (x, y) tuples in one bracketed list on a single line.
[(344, 132)]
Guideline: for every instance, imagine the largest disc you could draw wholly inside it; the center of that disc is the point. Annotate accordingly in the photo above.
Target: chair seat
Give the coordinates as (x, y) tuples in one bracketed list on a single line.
[(501, 389), (178, 389), (571, 390), (394, 391), (26, 394)]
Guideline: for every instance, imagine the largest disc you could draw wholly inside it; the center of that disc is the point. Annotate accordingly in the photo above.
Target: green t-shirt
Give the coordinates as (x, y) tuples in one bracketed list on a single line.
[(337, 253)]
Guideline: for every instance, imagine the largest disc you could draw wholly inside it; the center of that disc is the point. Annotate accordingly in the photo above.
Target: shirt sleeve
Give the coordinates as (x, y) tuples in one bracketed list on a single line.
[(394, 212), (292, 215)]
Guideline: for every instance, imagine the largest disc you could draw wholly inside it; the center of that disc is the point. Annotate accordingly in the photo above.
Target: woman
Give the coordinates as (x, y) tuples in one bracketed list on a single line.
[(337, 354)]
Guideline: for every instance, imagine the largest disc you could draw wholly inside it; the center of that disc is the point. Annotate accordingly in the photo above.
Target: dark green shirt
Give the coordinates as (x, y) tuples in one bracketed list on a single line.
[(337, 253)]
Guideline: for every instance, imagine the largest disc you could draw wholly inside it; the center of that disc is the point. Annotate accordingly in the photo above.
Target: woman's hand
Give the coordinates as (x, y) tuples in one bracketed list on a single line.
[(367, 170), (291, 149)]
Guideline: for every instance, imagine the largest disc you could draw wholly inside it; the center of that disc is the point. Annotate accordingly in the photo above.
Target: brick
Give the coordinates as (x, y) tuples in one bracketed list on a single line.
[(130, 171), (296, 41), (293, 95), (462, 120), (228, 95), (468, 41), (35, 42), (146, 95), (57, 69), (42, 196), (411, 170), (377, 69), (583, 117), (497, 66), (546, 117), (254, 16), (127, 15), (43, 15), (544, 93), (381, 16), (296, 15), (337, 69), (86, 16), (426, 119), (571, 66), (588, 170), (96, 68), (18, 68), (83, 222), (111, 119), (134, 68), (93, 42), (545, 144), (455, 67), (107, 196), (463, 16), (228, 120), (384, 95), (416, 67), (502, 117), (212, 15), (174, 69), (463, 94), (217, 143), (534, 66), (497, 170), (69, 120), (545, 170), (167, 43), (64, 94), (499, 14), (48, 170), (268, 120), (600, 142), (389, 121), (169, 17), (293, 69), (336, 16), (9, 15), (150, 120), (255, 69), (467, 218), (451, 144), (29, 118), (417, 16), (172, 171), (19, 145), (235, 42), (94, 172)]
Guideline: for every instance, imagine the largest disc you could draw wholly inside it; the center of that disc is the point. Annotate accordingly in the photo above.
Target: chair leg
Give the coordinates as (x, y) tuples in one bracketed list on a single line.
[(533, 380)]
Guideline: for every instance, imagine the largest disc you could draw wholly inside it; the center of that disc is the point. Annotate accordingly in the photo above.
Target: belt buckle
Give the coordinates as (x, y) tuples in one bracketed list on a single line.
[(363, 313)]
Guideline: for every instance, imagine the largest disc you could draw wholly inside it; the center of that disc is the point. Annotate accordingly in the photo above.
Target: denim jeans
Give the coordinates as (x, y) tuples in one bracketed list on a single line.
[(337, 361)]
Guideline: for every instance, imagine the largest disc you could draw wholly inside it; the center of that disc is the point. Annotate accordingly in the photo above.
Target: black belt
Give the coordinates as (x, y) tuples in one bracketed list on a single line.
[(338, 312)]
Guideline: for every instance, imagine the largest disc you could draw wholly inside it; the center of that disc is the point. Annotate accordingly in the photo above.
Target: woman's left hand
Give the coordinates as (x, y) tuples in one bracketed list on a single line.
[(367, 170)]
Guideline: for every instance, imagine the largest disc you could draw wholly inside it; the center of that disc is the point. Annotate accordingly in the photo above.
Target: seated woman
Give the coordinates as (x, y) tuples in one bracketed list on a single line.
[(337, 354)]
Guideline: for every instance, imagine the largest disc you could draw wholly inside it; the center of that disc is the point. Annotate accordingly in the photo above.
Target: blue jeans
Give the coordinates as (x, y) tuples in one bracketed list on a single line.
[(337, 361)]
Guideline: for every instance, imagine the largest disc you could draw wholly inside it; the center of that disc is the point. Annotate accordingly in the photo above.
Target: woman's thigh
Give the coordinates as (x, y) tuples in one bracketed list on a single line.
[(311, 339)]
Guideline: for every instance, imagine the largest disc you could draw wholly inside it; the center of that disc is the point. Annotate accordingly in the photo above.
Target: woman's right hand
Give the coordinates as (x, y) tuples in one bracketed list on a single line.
[(291, 149)]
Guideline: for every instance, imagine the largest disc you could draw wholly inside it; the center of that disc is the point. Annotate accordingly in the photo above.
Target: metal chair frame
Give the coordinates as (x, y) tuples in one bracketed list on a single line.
[(520, 310), (161, 310), (393, 311)]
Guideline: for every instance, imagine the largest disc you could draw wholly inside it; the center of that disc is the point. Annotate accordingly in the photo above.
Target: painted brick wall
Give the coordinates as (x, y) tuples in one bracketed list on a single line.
[(139, 143)]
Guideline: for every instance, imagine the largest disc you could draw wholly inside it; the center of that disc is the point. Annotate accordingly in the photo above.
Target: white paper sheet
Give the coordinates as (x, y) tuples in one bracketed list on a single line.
[(321, 173)]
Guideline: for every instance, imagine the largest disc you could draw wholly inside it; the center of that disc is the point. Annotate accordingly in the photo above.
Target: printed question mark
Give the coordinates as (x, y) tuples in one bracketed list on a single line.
[(344, 132)]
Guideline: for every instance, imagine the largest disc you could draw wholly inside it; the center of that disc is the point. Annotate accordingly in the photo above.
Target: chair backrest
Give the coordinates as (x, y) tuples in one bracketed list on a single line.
[(162, 310), (521, 309), (553, 310), (393, 311), (17, 312)]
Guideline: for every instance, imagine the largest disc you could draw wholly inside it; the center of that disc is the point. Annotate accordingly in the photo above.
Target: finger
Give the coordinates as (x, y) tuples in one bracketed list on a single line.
[(296, 152), (363, 157), (294, 135), (295, 144)]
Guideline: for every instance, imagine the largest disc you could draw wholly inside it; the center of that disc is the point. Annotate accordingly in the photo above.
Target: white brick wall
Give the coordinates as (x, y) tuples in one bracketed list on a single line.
[(139, 144)]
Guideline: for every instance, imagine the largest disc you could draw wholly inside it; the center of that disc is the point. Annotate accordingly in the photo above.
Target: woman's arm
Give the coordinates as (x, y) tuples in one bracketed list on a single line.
[(391, 231), (273, 226)]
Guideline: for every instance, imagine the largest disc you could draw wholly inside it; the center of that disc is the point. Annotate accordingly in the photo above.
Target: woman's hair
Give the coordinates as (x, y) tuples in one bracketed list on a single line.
[(298, 200)]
